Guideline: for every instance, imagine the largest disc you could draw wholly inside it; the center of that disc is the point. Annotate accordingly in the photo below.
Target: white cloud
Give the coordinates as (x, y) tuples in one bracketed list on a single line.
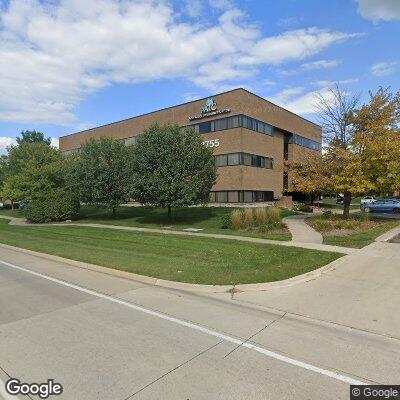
[(5, 142), (293, 45), (325, 83), (320, 64), (299, 101), (376, 10), (383, 68), (53, 54)]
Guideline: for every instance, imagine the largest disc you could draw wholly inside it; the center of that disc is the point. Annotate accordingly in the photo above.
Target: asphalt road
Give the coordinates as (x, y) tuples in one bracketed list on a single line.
[(104, 337)]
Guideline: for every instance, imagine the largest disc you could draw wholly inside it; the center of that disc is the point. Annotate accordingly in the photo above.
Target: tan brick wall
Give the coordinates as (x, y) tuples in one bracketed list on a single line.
[(239, 101), (234, 140)]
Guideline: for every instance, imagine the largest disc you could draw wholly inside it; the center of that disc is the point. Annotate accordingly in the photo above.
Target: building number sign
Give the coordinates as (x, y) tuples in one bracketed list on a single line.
[(211, 143)]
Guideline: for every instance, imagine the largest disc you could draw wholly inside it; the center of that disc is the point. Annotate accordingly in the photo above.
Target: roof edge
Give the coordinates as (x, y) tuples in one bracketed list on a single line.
[(189, 102)]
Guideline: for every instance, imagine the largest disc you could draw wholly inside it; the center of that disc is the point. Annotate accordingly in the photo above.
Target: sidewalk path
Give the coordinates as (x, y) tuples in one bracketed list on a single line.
[(305, 245), (302, 232)]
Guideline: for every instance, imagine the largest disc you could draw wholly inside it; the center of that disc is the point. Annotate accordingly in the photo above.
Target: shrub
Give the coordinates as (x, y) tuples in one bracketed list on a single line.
[(54, 206), (302, 207), (322, 225), (248, 217), (226, 222), (237, 219), (273, 215), (260, 215)]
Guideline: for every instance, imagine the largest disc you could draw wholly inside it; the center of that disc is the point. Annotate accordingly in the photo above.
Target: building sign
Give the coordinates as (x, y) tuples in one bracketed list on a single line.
[(209, 109), (211, 143)]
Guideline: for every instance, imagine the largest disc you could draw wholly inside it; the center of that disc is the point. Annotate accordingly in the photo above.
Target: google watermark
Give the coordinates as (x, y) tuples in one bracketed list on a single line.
[(375, 392), (43, 390)]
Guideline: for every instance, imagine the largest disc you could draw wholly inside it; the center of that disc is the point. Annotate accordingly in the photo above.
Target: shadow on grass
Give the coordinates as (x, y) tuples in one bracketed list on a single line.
[(148, 215)]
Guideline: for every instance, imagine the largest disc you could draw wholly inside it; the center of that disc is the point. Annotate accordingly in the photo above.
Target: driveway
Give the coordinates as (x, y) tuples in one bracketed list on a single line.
[(104, 337)]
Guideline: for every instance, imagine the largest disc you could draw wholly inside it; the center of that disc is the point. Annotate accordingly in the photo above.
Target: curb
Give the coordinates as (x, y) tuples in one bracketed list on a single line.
[(189, 287), (389, 235)]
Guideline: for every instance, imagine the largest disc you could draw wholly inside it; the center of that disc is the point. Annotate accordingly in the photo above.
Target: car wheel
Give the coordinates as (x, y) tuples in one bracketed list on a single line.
[(367, 209), (396, 210)]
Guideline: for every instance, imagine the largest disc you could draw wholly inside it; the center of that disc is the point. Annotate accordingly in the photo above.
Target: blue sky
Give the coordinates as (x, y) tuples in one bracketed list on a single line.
[(69, 65)]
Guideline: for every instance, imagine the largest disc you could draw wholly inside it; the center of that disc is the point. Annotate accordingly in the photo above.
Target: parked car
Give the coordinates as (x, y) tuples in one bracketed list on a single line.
[(367, 200), (382, 206), (340, 200)]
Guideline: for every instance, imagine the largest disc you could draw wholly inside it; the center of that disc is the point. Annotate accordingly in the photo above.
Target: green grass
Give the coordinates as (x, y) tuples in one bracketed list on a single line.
[(331, 203), (206, 218), (360, 239), (183, 259), (11, 213)]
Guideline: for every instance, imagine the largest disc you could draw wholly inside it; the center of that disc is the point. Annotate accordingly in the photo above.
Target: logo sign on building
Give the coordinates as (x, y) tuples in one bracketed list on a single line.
[(209, 109)]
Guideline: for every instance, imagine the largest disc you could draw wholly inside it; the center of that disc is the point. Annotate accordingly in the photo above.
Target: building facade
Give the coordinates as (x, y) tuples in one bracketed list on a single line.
[(251, 138)]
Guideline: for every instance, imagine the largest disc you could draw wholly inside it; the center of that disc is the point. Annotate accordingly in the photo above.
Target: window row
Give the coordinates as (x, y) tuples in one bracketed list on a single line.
[(238, 121), (252, 160), (241, 196), (302, 141)]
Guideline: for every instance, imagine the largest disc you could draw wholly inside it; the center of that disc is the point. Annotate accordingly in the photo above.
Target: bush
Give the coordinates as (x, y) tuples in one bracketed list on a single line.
[(237, 219), (55, 206), (226, 222), (322, 225), (260, 216), (273, 215), (248, 218), (302, 207)]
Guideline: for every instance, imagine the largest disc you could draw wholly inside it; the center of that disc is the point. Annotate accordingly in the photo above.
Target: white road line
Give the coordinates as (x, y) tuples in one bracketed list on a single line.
[(3, 393), (199, 328)]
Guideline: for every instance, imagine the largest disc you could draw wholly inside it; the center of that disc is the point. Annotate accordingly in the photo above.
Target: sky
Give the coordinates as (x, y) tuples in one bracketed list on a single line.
[(68, 65)]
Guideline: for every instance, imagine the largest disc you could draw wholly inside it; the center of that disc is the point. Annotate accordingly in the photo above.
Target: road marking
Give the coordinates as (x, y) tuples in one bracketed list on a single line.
[(210, 332), (3, 393)]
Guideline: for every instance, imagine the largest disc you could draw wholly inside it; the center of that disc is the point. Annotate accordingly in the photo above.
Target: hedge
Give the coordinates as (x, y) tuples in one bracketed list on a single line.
[(58, 205)]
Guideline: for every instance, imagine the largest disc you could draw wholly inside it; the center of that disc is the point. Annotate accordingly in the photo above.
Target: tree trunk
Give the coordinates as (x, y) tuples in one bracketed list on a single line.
[(114, 212), (346, 205), (169, 213), (12, 205)]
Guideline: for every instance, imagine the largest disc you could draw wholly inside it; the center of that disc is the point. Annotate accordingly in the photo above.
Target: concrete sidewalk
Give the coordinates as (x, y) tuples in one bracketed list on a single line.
[(305, 245), (302, 232)]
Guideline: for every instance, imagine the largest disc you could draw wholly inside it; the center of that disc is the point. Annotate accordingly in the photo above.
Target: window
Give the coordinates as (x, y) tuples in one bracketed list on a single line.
[(246, 159), (247, 196), (205, 127), (221, 124), (222, 160), (233, 197), (232, 122), (234, 159), (222, 197), (305, 142), (253, 160)]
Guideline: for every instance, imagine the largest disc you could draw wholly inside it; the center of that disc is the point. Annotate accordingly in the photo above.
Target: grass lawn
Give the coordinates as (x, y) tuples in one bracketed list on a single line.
[(206, 218), (355, 232), (331, 203), (183, 259)]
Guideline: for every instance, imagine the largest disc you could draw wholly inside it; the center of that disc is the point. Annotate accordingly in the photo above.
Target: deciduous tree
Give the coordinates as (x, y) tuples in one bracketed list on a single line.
[(102, 173), (172, 168)]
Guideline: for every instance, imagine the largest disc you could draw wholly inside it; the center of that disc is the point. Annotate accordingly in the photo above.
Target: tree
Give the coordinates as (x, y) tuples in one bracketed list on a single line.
[(31, 169), (102, 173), (377, 140), (172, 168), (308, 175), (335, 112), (33, 137)]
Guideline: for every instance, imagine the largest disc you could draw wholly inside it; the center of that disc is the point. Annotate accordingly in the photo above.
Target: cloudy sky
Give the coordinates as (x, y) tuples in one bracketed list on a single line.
[(66, 65)]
